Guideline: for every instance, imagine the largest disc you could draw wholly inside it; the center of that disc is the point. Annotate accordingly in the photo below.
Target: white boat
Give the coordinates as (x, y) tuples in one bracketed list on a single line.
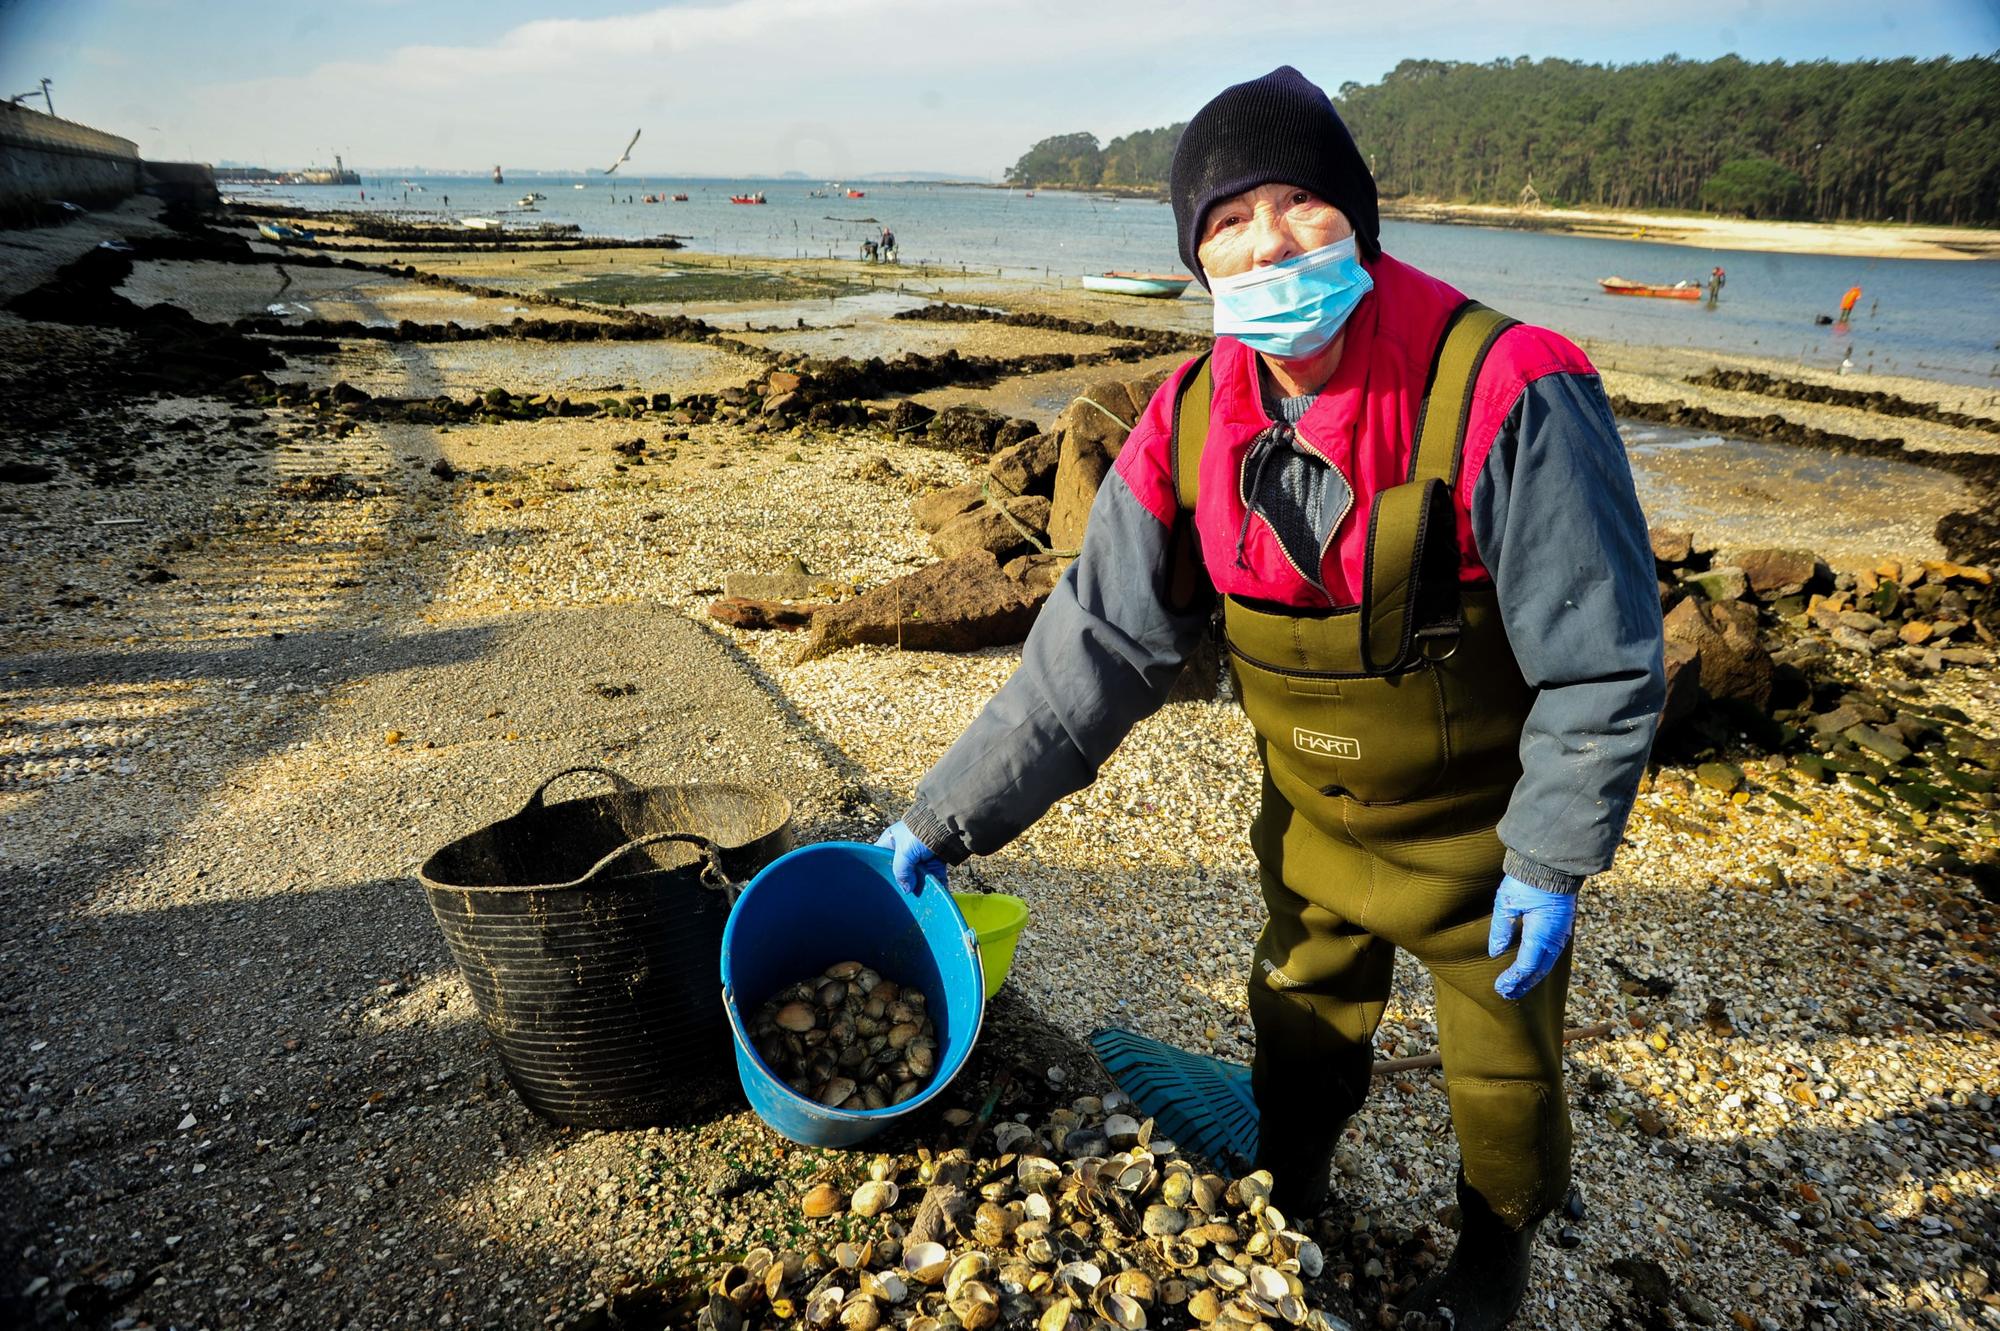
[(1159, 286), (480, 223), (282, 233)]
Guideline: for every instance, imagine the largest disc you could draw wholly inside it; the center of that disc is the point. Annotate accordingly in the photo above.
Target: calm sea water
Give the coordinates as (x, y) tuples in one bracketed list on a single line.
[(1930, 318)]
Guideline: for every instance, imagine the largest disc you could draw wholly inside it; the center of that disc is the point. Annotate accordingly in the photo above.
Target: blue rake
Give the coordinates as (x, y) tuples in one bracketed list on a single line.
[(1197, 1101)]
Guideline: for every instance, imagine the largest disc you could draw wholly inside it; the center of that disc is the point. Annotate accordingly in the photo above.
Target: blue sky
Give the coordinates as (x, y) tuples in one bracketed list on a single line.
[(829, 87)]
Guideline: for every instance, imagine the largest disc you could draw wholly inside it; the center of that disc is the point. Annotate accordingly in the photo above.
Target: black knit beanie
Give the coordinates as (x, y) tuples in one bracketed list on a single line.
[(1280, 128)]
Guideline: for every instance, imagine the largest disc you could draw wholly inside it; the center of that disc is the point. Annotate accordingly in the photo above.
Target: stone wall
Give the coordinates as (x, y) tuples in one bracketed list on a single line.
[(43, 158)]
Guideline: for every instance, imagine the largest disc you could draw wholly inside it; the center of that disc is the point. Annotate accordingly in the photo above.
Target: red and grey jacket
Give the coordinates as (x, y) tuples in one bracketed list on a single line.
[(1546, 512)]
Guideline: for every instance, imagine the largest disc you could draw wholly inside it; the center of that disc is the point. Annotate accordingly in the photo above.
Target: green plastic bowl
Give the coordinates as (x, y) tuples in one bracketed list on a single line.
[(997, 919)]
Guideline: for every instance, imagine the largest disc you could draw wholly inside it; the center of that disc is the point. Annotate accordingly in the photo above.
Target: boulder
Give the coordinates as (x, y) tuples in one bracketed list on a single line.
[(745, 612), (1719, 584), (1028, 467), (988, 528), (966, 429), (934, 510), (1773, 573), (1039, 573), (1733, 663), (1091, 441), (952, 606), (784, 404), (1670, 546), (1683, 683), (780, 381)]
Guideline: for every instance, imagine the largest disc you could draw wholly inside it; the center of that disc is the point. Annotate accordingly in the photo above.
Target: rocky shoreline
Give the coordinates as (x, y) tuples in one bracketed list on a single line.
[(274, 633)]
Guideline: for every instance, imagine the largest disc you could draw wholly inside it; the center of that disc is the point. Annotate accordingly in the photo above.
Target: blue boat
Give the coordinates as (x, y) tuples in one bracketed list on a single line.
[(283, 234)]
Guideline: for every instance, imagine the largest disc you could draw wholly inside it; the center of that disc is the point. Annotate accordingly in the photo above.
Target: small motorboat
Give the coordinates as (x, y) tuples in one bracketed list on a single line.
[(680, 198), (283, 234), (857, 194), (1158, 286), (531, 198), (758, 197), (480, 223), (1618, 286)]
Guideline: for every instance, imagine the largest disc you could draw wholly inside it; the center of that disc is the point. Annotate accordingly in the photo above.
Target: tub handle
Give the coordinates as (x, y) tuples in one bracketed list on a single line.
[(624, 786), (712, 873)]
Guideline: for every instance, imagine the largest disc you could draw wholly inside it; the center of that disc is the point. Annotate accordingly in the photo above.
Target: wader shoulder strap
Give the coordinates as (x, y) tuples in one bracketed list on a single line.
[(1186, 578), (1191, 411), (1468, 335), (1410, 586)]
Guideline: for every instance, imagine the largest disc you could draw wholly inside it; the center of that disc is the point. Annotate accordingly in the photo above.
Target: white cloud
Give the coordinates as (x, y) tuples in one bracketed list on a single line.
[(775, 84)]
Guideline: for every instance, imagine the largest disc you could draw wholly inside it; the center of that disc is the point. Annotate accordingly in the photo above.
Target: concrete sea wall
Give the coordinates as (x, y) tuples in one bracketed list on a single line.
[(43, 158)]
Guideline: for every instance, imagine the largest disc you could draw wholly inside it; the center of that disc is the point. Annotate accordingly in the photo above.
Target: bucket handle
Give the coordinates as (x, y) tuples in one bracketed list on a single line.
[(712, 873), (624, 786)]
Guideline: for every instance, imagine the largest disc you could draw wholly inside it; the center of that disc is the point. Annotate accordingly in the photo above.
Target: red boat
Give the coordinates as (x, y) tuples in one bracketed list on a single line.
[(747, 198), (857, 194), (680, 198), (1618, 286)]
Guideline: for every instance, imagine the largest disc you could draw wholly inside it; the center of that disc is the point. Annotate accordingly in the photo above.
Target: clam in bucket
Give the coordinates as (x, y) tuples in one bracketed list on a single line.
[(837, 901)]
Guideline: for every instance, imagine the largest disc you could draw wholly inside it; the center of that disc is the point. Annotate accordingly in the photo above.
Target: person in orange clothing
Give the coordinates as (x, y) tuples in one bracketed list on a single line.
[(1847, 303)]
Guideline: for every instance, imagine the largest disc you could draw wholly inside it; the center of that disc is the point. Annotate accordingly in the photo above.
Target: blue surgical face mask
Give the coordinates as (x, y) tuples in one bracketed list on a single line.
[(1293, 309)]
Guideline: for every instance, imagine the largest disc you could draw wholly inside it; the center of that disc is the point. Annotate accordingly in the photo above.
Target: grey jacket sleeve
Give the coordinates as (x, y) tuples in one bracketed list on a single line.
[(1102, 656), (1558, 525)]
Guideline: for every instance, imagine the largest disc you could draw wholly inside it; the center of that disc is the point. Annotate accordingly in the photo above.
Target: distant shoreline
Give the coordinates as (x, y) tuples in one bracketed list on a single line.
[(1870, 240)]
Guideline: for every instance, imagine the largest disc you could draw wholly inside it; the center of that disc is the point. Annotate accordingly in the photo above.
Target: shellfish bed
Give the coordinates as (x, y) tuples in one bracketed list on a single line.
[(848, 1038), (1086, 1222)]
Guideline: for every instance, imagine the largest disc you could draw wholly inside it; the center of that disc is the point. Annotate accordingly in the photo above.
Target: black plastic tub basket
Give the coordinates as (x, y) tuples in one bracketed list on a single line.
[(590, 930)]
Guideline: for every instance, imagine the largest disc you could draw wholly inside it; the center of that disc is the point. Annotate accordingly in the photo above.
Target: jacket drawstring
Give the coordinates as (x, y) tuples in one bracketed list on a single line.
[(1262, 449)]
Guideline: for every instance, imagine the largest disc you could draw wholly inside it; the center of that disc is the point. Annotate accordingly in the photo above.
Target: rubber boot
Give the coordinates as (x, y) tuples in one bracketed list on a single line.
[(1301, 1165), (1481, 1287)]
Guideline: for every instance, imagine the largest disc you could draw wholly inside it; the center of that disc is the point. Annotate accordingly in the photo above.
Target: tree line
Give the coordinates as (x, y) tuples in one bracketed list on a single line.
[(1905, 140)]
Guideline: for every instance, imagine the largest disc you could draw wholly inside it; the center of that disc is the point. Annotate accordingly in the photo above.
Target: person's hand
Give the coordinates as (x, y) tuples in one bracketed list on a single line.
[(1543, 921), (913, 859)]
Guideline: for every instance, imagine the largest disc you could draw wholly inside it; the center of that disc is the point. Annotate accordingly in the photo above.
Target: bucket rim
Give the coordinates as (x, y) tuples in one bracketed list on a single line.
[(746, 1048)]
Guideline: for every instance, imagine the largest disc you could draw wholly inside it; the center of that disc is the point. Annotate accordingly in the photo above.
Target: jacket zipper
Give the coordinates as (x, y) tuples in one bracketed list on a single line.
[(1312, 580)]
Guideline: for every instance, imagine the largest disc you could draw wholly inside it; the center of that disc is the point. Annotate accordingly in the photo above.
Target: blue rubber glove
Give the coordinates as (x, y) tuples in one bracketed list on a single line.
[(1544, 920), (913, 859)]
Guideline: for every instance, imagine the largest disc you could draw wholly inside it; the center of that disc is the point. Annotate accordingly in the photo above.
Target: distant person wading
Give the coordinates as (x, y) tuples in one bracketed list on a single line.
[(1449, 648)]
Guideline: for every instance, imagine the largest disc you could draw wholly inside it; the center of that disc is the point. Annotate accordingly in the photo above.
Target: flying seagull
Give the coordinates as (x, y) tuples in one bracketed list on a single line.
[(628, 154)]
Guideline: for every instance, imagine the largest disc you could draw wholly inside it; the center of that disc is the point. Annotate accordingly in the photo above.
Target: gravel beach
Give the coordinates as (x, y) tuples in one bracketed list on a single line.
[(256, 662)]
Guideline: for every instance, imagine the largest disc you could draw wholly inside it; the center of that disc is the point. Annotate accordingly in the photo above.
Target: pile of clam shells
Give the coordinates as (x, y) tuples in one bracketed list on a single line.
[(848, 1038), (1087, 1223)]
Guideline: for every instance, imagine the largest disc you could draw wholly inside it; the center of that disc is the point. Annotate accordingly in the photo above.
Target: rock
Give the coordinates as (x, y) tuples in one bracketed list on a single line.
[(1733, 662), (1840, 718), (1719, 584), (952, 606), (1940, 570), (1852, 640), (1028, 467), (744, 612), (1649, 1280), (1039, 573), (1886, 747), (1725, 777), (781, 381), (784, 404), (25, 473), (1683, 683), (967, 429), (988, 528), (934, 510), (1777, 572), (1670, 546), (906, 417), (1092, 435)]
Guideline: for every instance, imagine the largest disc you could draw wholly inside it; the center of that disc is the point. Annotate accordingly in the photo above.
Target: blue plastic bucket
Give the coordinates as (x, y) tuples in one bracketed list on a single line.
[(836, 901)]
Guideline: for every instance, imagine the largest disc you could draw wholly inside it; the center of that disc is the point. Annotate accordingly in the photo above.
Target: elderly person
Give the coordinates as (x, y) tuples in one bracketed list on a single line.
[(1442, 619)]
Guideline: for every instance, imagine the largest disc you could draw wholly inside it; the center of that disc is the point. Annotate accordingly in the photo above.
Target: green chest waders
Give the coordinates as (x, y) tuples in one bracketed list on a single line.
[(1390, 734)]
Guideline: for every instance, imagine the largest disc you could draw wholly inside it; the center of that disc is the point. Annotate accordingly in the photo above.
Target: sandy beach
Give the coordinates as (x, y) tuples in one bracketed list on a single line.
[(264, 647), (1874, 240)]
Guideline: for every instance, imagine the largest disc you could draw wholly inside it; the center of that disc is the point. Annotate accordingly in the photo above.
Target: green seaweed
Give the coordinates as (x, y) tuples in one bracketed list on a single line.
[(675, 284)]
